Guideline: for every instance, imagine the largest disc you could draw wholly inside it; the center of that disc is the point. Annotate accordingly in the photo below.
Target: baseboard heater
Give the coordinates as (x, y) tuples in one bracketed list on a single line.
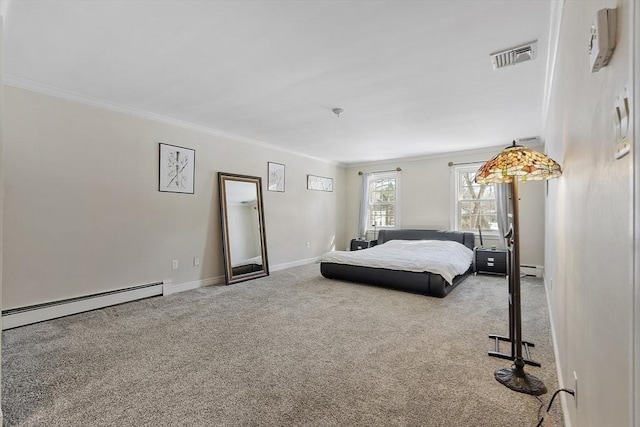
[(51, 310)]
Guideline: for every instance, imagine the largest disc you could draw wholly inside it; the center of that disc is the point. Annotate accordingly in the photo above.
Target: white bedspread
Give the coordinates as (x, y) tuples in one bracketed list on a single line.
[(442, 257)]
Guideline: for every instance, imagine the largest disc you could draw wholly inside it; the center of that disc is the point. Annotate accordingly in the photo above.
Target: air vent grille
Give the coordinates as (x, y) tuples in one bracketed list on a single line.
[(514, 55)]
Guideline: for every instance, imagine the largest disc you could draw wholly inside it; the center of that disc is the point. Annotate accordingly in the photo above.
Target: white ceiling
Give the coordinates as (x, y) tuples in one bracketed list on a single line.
[(413, 77)]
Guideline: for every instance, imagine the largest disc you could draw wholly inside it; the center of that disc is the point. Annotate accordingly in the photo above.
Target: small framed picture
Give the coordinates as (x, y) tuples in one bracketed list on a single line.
[(319, 183), (177, 169), (275, 180)]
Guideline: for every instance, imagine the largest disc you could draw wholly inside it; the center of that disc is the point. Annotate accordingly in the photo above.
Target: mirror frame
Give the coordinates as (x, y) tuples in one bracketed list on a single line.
[(230, 278)]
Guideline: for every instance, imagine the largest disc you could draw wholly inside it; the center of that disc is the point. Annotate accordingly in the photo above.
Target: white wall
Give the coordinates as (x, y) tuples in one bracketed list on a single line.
[(83, 213), (244, 226), (425, 202), (589, 229)]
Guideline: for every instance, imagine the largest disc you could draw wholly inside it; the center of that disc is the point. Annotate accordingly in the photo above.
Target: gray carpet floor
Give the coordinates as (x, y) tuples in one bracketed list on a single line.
[(291, 349)]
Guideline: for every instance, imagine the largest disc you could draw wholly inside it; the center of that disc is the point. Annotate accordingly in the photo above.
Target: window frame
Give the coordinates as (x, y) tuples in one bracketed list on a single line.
[(455, 216), (377, 176)]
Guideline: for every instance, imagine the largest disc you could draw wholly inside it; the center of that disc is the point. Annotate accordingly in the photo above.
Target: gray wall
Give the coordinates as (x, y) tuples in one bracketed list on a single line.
[(589, 237), (83, 213)]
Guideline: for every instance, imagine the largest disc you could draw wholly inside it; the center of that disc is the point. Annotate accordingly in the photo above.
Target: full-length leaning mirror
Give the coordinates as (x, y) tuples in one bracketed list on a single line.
[(242, 217)]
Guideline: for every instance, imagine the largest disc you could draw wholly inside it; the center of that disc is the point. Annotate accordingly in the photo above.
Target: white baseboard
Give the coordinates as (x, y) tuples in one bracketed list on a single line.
[(563, 396), (40, 313), (298, 263), (169, 288)]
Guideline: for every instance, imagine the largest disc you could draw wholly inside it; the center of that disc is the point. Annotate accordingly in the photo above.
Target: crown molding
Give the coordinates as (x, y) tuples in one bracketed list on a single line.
[(555, 26), (494, 149), (56, 92), (68, 95)]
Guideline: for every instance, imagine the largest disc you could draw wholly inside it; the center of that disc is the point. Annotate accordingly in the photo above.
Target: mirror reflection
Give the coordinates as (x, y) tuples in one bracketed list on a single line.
[(242, 217)]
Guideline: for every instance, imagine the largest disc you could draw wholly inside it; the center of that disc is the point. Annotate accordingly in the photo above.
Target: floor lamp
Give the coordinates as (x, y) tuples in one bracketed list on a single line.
[(517, 163)]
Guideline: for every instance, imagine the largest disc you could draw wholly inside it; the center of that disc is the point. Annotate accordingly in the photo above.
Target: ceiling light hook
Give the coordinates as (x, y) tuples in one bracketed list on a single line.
[(337, 111)]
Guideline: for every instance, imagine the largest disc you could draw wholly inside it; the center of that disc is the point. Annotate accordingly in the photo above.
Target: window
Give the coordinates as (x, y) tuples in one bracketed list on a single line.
[(474, 205), (383, 201)]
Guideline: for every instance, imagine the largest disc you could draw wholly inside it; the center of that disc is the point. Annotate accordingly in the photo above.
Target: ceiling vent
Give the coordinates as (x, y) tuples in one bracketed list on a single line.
[(514, 55)]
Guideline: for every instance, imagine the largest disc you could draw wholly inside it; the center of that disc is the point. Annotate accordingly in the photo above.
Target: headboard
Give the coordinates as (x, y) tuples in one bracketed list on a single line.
[(466, 238)]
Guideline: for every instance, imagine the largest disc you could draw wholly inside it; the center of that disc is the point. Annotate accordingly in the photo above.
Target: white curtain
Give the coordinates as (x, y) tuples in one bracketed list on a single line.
[(504, 206), (364, 204)]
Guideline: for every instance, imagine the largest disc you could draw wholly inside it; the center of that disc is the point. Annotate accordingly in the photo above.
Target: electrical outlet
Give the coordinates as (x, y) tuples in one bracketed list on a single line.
[(196, 261), (174, 264), (308, 245), (575, 388)]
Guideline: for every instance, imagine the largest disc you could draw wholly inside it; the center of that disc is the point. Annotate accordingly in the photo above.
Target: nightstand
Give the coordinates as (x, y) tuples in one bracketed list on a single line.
[(357, 244), (487, 260)]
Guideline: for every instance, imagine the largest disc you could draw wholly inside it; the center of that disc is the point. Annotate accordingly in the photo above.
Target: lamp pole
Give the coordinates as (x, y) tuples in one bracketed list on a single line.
[(507, 166), (515, 270), (516, 378)]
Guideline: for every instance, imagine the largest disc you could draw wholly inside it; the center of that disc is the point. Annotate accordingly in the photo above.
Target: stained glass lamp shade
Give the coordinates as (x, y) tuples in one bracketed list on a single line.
[(518, 161)]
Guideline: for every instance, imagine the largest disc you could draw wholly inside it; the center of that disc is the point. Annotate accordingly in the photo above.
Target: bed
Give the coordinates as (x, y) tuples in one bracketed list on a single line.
[(245, 266), (358, 266)]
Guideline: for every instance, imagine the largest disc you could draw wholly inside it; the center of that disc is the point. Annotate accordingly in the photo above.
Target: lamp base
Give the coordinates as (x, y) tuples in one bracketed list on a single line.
[(518, 380)]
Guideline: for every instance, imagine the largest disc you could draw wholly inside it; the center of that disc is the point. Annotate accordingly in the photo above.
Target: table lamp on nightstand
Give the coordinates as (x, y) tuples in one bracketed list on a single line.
[(517, 163)]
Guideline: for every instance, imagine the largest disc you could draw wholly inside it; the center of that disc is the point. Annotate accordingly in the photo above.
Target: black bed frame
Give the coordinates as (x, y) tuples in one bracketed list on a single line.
[(422, 283)]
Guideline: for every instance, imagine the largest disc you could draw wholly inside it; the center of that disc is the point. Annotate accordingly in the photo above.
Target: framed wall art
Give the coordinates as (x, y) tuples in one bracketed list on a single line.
[(177, 169), (275, 180), (319, 183)]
